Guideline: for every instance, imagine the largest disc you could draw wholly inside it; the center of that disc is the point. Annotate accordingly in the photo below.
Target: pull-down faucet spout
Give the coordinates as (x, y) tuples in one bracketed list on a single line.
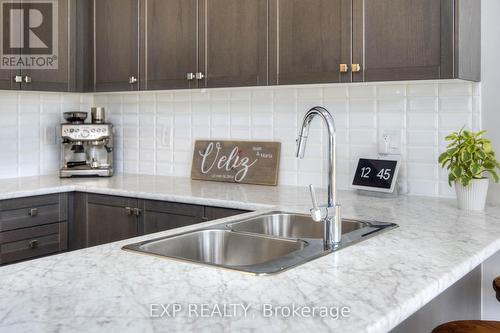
[(329, 213)]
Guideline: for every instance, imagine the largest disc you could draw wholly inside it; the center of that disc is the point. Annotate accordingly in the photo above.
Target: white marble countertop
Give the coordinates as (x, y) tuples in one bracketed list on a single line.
[(382, 280)]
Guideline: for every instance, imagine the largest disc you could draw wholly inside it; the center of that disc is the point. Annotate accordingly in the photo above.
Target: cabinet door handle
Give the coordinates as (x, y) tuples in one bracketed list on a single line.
[(27, 79), (33, 244), (191, 76), (128, 211), (132, 80), (18, 79), (137, 212), (33, 212), (356, 68), (200, 76), (343, 68)]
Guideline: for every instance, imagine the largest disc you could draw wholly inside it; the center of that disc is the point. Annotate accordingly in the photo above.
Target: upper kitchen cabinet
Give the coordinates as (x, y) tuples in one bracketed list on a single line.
[(233, 43), (310, 41), (169, 39), (416, 40), (115, 45), (46, 51), (7, 74)]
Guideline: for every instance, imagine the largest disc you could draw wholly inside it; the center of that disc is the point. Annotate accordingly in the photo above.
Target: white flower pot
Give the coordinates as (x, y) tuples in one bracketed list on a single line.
[(473, 196)]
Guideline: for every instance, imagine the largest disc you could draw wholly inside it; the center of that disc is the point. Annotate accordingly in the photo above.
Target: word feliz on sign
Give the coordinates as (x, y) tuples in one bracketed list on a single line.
[(242, 162)]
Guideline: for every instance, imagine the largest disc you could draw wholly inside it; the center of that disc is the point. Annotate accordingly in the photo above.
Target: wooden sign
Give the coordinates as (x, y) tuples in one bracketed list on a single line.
[(242, 162)]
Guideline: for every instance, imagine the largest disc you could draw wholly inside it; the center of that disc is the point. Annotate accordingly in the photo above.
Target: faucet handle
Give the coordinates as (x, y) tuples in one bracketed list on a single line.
[(315, 211)]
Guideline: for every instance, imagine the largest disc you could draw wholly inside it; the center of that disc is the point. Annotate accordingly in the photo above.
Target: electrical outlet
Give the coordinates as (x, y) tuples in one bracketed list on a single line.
[(390, 142), (166, 137)]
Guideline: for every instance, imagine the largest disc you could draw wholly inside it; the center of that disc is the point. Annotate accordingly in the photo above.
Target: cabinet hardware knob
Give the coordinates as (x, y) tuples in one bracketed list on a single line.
[(356, 68), (128, 211), (200, 76), (191, 76), (137, 212), (132, 80), (18, 79), (33, 244), (27, 79), (33, 212), (343, 68)]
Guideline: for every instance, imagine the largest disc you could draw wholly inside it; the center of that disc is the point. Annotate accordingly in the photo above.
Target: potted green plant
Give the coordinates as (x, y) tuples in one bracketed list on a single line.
[(470, 159)]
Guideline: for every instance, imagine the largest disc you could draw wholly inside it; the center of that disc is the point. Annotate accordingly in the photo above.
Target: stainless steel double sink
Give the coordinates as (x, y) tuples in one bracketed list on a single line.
[(266, 244)]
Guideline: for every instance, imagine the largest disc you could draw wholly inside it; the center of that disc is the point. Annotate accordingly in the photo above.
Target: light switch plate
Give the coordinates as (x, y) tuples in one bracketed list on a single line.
[(50, 134)]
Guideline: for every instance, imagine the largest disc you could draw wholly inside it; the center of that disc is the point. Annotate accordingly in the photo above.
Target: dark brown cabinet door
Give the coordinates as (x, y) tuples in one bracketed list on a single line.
[(169, 38), (309, 41), (108, 219), (403, 40), (116, 45), (7, 79), (7, 75), (159, 216), (214, 213), (233, 43), (54, 74)]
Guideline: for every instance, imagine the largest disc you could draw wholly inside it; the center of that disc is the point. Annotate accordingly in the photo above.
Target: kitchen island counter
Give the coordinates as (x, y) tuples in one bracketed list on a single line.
[(381, 281)]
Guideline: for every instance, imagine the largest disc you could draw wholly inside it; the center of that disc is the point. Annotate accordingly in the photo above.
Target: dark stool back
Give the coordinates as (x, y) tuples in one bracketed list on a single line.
[(496, 286), (473, 326)]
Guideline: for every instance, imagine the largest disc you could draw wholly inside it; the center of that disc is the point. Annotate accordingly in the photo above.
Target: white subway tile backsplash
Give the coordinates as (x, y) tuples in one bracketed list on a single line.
[(240, 120), (285, 93), (455, 89), (391, 120), (422, 121), (422, 138), (362, 91), (422, 154), (391, 90), (310, 93), (455, 121), (363, 137), (455, 104), (422, 104), (154, 131), (422, 187), (391, 105), (422, 171), (362, 105), (445, 190), (240, 133), (335, 92), (422, 89), (222, 133), (363, 120)]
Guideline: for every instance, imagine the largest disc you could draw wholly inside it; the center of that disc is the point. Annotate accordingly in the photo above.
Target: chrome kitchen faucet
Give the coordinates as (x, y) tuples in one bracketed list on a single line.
[(329, 213)]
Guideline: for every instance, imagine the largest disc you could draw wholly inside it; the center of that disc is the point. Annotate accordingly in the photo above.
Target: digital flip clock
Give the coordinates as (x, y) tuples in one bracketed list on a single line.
[(377, 175)]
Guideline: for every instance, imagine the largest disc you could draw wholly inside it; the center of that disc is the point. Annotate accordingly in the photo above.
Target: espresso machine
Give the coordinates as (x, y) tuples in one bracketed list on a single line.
[(87, 148)]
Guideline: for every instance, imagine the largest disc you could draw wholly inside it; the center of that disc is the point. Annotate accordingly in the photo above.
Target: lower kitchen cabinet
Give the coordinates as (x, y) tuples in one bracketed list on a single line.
[(160, 216), (99, 219), (33, 227), (29, 243), (110, 219), (36, 226), (214, 213)]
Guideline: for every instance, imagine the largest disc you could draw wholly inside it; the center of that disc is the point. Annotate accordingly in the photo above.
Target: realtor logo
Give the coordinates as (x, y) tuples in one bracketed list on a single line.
[(29, 33)]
